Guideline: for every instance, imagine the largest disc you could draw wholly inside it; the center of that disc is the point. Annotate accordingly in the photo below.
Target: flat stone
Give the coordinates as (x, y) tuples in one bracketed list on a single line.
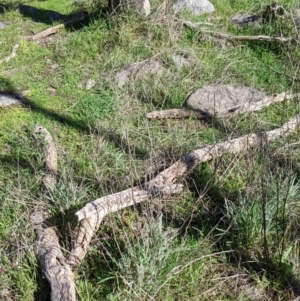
[(216, 100), (8, 100), (90, 84), (244, 19), (137, 70), (182, 60), (197, 7)]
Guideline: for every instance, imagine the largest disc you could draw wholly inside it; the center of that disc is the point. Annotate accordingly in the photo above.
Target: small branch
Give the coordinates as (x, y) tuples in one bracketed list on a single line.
[(252, 38), (53, 30), (193, 25), (176, 114), (246, 108), (112, 203), (259, 105), (12, 55), (44, 33), (47, 248), (291, 78)]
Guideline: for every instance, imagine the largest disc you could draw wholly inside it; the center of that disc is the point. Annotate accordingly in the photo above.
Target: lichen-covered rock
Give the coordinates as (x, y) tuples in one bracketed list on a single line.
[(197, 7), (8, 100), (215, 100), (244, 19), (137, 70)]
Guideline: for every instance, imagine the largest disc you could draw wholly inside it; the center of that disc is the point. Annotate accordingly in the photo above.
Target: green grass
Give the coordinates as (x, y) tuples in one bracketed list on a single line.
[(231, 235)]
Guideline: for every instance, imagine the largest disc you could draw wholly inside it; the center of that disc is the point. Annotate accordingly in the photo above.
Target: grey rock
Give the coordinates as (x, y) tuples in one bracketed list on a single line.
[(182, 60), (137, 70), (2, 25), (197, 7), (8, 100), (221, 99), (90, 84), (244, 19)]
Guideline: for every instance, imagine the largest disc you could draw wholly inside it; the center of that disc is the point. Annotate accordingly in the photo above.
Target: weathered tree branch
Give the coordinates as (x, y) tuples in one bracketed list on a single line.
[(112, 203), (176, 114), (232, 112), (47, 248), (252, 38), (12, 55), (164, 183), (54, 29)]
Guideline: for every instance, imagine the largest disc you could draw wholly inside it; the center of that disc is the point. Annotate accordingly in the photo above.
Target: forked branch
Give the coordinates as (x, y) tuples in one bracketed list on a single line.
[(165, 182)]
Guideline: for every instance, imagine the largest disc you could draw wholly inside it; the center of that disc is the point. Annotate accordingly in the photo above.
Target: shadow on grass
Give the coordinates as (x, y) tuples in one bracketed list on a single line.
[(73, 21)]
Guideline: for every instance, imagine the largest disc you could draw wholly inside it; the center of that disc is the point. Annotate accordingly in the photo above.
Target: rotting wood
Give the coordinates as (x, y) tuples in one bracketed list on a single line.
[(164, 182), (52, 30), (47, 248), (246, 108), (251, 38), (12, 55)]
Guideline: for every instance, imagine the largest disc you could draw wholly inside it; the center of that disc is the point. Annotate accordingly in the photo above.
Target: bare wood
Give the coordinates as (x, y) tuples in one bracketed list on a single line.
[(47, 248), (50, 155), (55, 269), (252, 38), (259, 105), (12, 55), (45, 33), (176, 114), (90, 225), (194, 25), (246, 108), (52, 30), (111, 203)]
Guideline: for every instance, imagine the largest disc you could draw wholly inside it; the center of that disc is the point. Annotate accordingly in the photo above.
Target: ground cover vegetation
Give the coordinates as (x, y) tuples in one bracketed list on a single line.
[(233, 234)]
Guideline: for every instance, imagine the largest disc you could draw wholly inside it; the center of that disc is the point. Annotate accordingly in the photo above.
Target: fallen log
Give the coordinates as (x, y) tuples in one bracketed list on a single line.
[(232, 112), (164, 183), (47, 248)]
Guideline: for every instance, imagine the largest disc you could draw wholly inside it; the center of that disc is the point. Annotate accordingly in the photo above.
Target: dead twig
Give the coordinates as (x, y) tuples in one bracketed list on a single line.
[(292, 78), (194, 25), (54, 29), (176, 114), (12, 55), (252, 38)]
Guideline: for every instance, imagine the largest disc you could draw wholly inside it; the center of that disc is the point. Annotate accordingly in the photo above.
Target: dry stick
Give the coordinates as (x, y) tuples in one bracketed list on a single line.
[(163, 183), (176, 114), (12, 55), (291, 78), (90, 224), (47, 248), (194, 25), (248, 107), (53, 30), (252, 38)]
